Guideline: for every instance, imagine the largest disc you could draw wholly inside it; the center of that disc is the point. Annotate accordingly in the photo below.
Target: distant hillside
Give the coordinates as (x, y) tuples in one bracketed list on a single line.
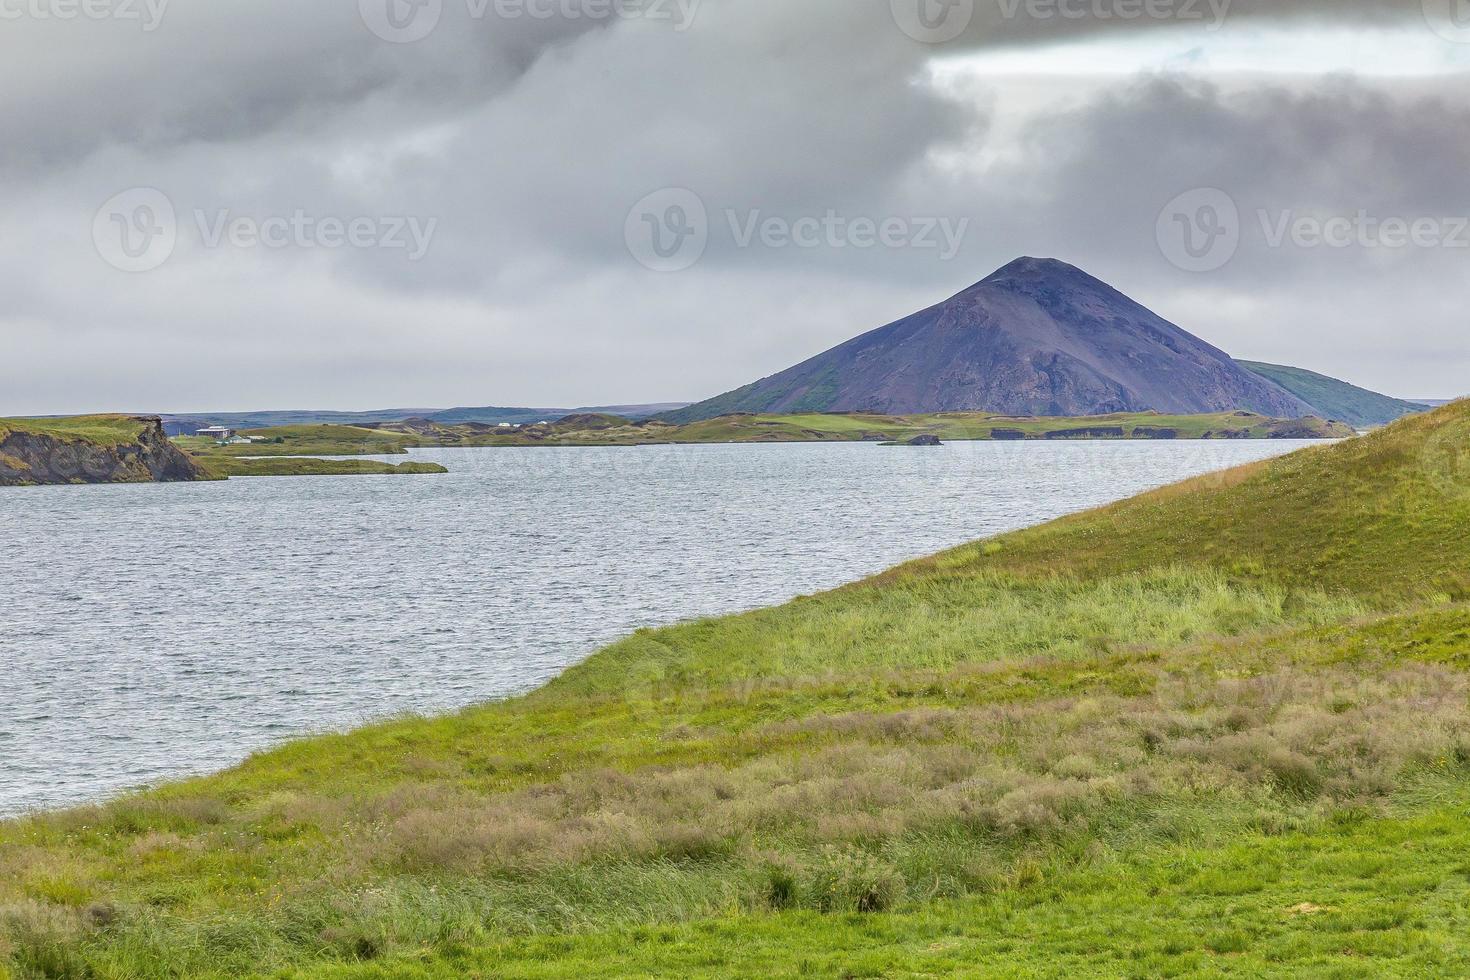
[(1336, 399), (187, 424), (607, 430), (1039, 337)]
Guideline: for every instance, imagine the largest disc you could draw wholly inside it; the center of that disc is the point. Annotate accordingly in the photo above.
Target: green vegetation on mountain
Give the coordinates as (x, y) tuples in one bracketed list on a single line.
[(1221, 728), (1336, 399)]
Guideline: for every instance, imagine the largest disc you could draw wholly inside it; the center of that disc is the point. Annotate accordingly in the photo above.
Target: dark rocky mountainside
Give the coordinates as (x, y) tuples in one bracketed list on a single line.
[(112, 449), (1038, 337)]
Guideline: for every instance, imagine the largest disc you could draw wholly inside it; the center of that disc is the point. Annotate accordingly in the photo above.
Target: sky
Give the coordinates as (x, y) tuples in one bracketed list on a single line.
[(218, 205)]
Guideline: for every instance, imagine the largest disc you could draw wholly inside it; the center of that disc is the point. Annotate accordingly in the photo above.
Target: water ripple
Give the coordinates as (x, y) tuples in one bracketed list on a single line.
[(150, 632)]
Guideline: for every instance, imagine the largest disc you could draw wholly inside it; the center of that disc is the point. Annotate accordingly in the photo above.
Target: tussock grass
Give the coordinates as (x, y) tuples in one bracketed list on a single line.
[(1130, 741), (105, 430)]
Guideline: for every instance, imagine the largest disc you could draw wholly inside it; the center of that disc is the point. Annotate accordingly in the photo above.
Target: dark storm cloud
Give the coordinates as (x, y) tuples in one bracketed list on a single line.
[(234, 69), (528, 140)]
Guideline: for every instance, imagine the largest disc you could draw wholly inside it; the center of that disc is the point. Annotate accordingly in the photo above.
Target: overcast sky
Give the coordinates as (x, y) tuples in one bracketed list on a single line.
[(248, 204)]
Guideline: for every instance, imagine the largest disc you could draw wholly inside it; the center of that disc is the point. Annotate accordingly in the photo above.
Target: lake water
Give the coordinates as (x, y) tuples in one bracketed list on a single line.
[(155, 631)]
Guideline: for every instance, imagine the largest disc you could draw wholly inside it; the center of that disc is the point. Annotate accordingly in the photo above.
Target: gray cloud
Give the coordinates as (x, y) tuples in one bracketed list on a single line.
[(529, 140)]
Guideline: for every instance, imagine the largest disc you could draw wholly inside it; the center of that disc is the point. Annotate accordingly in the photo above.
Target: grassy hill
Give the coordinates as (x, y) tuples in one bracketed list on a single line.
[(104, 430), (1336, 399), (308, 440), (1218, 729)]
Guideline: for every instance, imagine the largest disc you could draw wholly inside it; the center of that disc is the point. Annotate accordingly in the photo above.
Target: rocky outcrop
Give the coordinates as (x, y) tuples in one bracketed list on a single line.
[(38, 456)]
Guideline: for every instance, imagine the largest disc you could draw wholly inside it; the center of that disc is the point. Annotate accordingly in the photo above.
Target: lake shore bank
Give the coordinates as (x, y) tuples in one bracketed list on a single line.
[(1239, 664)]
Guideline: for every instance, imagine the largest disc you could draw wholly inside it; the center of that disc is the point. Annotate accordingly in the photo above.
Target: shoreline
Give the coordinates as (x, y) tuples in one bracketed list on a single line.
[(1131, 688)]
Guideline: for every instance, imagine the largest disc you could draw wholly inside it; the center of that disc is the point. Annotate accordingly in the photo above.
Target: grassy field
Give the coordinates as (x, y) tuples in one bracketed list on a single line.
[(953, 426), (606, 430), (1220, 729), (307, 440), (105, 430)]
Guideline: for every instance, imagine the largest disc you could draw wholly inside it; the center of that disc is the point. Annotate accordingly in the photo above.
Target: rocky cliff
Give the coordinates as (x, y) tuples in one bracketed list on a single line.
[(93, 449)]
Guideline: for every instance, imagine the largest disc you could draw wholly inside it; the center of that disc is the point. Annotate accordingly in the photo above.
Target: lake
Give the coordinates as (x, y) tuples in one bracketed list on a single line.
[(156, 631)]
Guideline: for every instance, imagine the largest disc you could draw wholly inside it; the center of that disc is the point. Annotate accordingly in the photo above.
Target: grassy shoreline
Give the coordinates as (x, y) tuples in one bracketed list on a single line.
[(611, 431), (1219, 727), (229, 467)]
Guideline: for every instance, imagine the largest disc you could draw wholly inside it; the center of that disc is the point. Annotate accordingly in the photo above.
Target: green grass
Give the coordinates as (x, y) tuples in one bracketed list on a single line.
[(1302, 901), (951, 426), (234, 466), (604, 430), (1220, 728), (105, 430), (307, 440)]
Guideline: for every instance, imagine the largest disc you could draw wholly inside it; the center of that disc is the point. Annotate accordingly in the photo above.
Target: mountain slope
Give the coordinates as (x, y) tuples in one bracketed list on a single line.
[(1336, 399), (1038, 337)]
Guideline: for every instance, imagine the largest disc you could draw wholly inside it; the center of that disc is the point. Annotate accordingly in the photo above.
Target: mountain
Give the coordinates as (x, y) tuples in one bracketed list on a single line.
[(1336, 399), (1038, 337)]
